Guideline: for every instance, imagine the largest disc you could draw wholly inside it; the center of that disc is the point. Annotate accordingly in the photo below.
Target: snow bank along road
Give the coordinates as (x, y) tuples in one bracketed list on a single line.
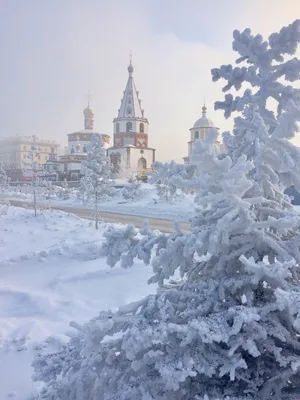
[(164, 225)]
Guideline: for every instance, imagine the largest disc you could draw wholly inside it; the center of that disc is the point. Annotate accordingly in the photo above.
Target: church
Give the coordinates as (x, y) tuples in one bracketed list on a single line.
[(69, 165), (131, 151), (200, 130)]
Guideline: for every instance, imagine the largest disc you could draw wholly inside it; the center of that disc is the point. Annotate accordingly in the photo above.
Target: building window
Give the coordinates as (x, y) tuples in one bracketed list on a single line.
[(24, 147), (117, 127), (129, 110), (196, 135), (84, 149), (129, 127), (141, 127), (72, 150), (142, 163), (65, 167)]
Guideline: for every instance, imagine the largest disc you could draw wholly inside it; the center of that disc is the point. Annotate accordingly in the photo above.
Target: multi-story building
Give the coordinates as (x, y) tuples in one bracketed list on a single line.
[(17, 153)]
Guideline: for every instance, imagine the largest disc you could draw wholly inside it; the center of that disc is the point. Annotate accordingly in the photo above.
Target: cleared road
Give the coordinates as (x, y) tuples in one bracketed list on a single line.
[(164, 225)]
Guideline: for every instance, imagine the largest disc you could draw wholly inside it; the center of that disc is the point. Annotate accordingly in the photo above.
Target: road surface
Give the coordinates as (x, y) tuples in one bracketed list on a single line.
[(164, 225)]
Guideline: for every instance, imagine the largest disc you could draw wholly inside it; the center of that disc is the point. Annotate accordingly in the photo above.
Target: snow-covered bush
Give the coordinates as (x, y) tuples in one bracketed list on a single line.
[(132, 191), (64, 191), (233, 327)]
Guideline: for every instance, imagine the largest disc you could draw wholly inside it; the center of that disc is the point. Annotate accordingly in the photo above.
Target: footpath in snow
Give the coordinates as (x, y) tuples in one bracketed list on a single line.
[(51, 274)]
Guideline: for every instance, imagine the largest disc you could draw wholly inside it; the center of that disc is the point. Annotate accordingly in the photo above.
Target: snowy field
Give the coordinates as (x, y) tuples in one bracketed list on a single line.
[(147, 206), (50, 275)]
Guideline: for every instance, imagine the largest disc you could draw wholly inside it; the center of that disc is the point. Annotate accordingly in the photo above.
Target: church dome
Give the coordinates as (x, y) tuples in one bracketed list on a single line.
[(130, 68), (88, 112), (203, 122)]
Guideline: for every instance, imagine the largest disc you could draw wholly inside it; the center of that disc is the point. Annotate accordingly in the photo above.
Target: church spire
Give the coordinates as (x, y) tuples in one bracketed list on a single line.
[(131, 105)]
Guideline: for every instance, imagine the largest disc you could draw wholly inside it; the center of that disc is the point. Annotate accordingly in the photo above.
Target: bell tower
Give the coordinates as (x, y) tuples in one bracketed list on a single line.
[(130, 125)]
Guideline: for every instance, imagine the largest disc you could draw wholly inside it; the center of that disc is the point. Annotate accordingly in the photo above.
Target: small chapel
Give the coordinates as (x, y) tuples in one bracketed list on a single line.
[(200, 130), (131, 151)]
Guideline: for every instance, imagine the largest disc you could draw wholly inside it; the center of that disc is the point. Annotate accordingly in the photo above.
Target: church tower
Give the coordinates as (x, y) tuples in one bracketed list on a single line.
[(130, 125), (130, 150), (200, 130)]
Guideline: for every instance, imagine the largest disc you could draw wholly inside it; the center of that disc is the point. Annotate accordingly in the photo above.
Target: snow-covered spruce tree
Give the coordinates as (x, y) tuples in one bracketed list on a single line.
[(96, 184), (232, 329), (3, 177), (132, 191)]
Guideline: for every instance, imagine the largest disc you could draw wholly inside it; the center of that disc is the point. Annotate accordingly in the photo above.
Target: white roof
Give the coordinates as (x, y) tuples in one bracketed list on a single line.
[(131, 104), (88, 131), (203, 122)]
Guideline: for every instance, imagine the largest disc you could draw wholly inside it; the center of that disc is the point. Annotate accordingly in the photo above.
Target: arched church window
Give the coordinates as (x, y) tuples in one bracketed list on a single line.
[(84, 149), (142, 163), (117, 127), (196, 135), (129, 127), (141, 127)]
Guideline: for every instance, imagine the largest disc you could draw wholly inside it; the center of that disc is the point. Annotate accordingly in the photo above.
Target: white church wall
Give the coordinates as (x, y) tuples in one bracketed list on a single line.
[(135, 155), (71, 166), (135, 126), (74, 144)]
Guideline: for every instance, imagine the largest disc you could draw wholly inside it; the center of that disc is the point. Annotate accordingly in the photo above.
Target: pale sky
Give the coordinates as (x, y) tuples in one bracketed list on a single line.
[(53, 52)]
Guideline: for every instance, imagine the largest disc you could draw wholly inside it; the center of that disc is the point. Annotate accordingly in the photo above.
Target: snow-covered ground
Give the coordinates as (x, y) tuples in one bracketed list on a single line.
[(147, 206), (50, 274)]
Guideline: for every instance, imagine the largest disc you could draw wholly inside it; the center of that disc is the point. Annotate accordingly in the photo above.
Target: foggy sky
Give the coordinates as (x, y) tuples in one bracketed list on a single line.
[(53, 52)]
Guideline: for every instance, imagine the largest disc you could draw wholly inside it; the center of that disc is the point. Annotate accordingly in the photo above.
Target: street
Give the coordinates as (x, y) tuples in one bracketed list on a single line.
[(163, 225)]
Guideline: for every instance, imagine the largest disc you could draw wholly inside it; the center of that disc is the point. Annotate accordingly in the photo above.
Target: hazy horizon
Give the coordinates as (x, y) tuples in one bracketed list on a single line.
[(54, 52)]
